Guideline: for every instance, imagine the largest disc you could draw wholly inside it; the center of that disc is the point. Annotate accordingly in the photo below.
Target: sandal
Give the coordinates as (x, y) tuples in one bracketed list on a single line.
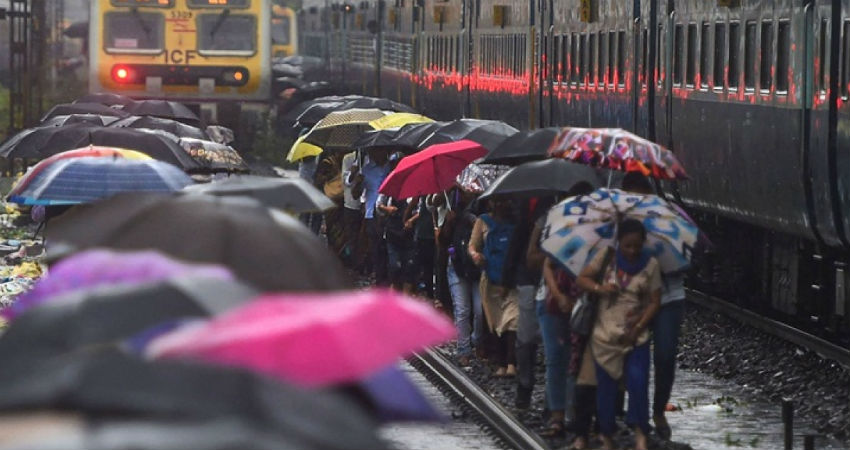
[(554, 429)]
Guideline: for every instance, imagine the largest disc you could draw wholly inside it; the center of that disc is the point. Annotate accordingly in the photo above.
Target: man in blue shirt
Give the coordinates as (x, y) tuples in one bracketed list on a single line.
[(373, 173)]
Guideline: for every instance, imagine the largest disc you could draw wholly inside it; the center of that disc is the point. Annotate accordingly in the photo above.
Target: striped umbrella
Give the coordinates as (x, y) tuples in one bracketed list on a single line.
[(81, 180)]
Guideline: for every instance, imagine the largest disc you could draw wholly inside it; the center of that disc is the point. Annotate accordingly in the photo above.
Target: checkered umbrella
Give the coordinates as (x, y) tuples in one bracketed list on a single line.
[(339, 130)]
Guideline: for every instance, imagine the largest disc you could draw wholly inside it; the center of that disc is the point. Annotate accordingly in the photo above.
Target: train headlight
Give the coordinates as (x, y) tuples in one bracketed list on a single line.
[(122, 74)]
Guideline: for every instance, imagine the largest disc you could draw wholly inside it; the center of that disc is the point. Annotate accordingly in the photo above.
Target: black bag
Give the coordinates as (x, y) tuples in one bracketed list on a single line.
[(461, 261), (584, 311)]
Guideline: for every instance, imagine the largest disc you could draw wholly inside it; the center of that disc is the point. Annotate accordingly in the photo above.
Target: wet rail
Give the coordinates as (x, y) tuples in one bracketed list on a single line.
[(504, 426), (781, 330)]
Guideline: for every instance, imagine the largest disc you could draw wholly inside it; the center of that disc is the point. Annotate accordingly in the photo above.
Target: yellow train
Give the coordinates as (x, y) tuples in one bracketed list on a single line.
[(196, 51), (284, 31)]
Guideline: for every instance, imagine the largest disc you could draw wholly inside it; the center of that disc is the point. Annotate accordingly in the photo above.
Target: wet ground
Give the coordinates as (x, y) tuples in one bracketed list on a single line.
[(459, 432)]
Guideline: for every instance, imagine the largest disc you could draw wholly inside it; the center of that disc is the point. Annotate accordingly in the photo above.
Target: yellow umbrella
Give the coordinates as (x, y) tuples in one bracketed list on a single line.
[(301, 150), (339, 129), (398, 120)]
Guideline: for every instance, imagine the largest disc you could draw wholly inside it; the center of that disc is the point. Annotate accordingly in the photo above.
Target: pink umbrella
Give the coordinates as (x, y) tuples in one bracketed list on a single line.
[(432, 170), (97, 267), (312, 340)]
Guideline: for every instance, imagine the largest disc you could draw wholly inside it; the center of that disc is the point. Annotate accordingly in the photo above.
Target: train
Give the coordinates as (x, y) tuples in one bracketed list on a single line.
[(214, 55), (284, 31), (752, 96)]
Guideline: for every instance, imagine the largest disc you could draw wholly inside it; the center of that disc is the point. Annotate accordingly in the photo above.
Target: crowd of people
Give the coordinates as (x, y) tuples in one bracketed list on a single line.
[(481, 261)]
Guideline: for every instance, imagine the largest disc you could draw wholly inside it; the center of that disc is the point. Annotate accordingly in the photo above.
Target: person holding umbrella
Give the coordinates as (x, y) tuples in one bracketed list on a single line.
[(629, 296)]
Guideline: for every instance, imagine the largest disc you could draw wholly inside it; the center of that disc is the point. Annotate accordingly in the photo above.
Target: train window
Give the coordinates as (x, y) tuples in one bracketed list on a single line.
[(766, 77), (603, 58), (576, 58), (734, 44), (660, 61), (232, 34), (719, 55), (621, 58), (218, 3), (280, 30), (678, 49), (750, 56), (612, 57), (783, 47), (133, 32), (592, 59), (845, 61), (583, 52), (691, 57), (145, 3), (644, 60), (566, 58), (705, 52), (823, 56)]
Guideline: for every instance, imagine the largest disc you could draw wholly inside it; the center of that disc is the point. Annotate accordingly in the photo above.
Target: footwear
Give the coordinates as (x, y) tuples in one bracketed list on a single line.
[(662, 428), (554, 429), (510, 371), (523, 397), (500, 372)]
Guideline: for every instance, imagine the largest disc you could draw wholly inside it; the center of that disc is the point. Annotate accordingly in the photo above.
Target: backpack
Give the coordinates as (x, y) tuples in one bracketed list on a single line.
[(496, 247), (462, 262)]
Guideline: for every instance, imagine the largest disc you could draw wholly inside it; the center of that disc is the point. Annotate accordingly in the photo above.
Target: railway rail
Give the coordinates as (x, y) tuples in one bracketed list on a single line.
[(781, 330), (449, 379)]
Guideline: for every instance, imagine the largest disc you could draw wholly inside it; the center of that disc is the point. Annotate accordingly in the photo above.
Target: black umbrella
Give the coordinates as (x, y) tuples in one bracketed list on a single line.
[(109, 385), (71, 119), (312, 90), (540, 178), (105, 98), (314, 114), (488, 133), (266, 248), (174, 127), (376, 139), (165, 109), (72, 431), (523, 147), (412, 134), (77, 30), (44, 142), (107, 314), (63, 109), (289, 194)]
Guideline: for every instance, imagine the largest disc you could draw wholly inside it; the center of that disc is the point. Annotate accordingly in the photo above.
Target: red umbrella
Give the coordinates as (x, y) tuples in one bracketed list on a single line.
[(432, 170)]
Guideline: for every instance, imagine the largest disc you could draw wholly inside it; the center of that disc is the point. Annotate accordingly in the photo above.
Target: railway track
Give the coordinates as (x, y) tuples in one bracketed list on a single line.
[(781, 330), (490, 415)]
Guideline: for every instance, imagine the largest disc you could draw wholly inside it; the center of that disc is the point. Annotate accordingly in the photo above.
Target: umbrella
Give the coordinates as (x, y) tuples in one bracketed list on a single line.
[(70, 119), (98, 267), (158, 123), (540, 178), (410, 136), (213, 156), (108, 384), (398, 119), (338, 130), (64, 109), (341, 338), (45, 142), (289, 194), (85, 179), (268, 249), (110, 313), (301, 150), (46, 430), (579, 227), (432, 170), (488, 133), (314, 114), (312, 90), (163, 108), (394, 397), (77, 30), (476, 178), (329, 103), (523, 147), (377, 139), (220, 134), (616, 149), (105, 98)]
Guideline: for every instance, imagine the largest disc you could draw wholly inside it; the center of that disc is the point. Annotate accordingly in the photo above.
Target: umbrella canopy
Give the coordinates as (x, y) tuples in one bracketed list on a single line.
[(214, 157), (64, 109), (616, 149), (476, 178), (110, 313), (47, 430), (397, 120), (98, 267), (163, 108), (522, 147), (488, 133), (85, 179), (394, 397), (329, 104), (301, 150), (341, 338), (314, 114), (70, 119), (540, 178), (105, 98), (410, 136), (338, 130), (289, 194), (174, 127), (377, 139), (312, 90), (45, 142), (579, 227), (107, 384), (268, 249), (432, 170)]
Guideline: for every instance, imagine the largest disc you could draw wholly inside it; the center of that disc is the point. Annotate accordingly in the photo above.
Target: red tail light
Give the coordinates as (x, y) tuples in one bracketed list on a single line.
[(122, 74)]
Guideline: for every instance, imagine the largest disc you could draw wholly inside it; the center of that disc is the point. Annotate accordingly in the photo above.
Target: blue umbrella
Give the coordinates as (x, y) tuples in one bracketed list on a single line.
[(86, 179)]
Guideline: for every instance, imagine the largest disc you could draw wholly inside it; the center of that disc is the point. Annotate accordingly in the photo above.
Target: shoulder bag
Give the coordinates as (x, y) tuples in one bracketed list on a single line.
[(584, 311)]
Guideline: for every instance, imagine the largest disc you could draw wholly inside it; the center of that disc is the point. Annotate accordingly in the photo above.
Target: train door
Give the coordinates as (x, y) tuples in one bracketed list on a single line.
[(645, 67), (546, 62), (663, 83)]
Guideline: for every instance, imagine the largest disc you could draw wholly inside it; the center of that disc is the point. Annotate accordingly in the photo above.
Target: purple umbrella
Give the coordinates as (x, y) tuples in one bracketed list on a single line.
[(102, 267)]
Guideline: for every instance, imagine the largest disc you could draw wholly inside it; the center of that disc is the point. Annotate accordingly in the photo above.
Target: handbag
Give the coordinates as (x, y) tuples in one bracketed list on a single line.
[(584, 311)]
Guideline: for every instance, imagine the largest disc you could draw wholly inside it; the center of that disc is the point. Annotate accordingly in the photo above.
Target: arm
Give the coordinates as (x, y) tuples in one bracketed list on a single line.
[(587, 279), (409, 217), (534, 256), (646, 318), (476, 243), (551, 280)]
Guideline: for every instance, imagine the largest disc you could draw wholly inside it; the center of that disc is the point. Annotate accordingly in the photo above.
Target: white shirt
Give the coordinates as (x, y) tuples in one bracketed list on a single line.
[(348, 200)]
